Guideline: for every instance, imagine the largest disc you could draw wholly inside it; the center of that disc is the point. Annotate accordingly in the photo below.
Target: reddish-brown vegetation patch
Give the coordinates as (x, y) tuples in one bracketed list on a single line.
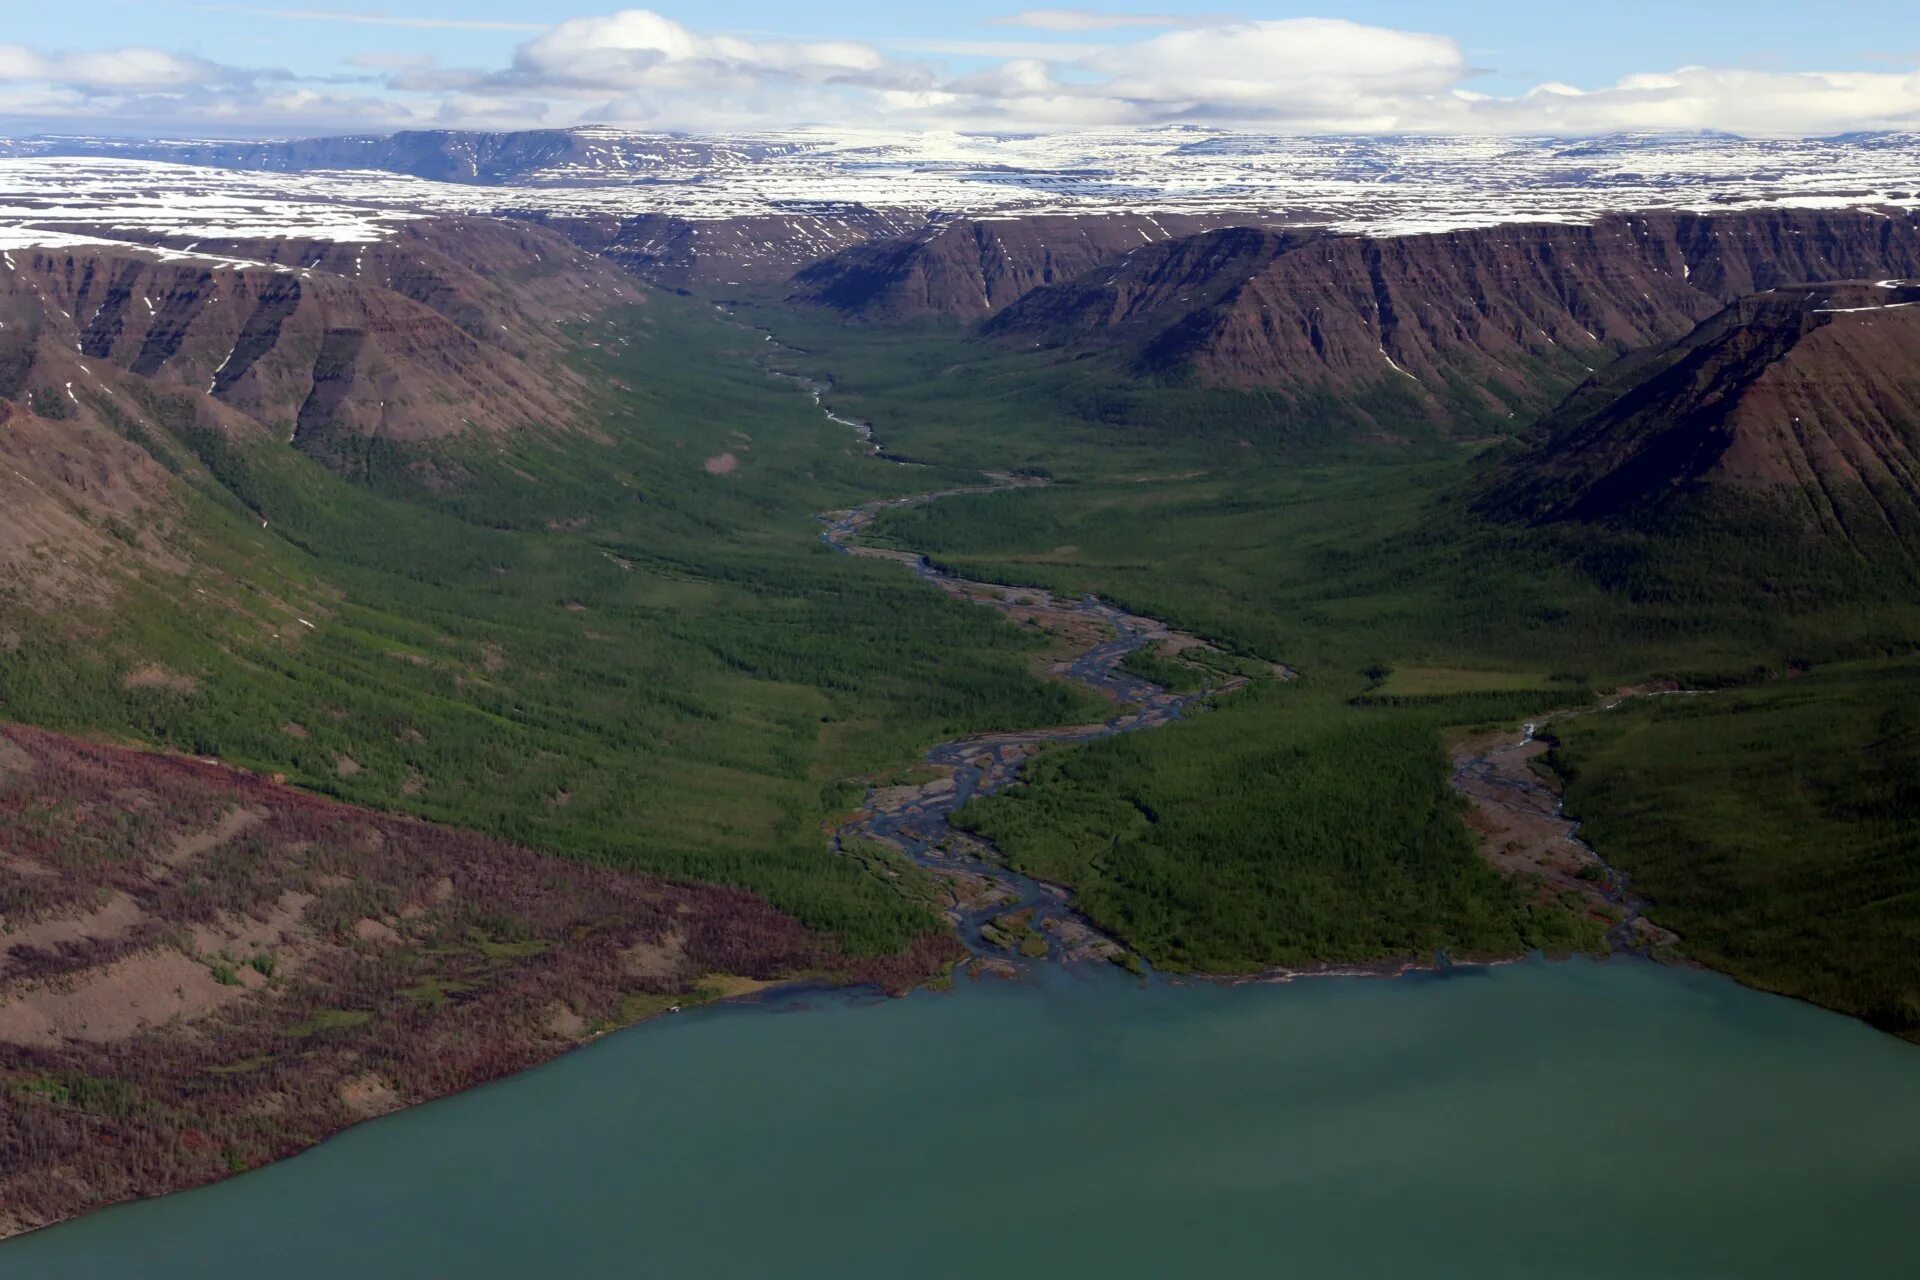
[(192, 950)]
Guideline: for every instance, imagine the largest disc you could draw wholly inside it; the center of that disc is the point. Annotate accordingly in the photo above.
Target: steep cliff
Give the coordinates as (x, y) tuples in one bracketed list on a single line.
[(969, 268), (1487, 324), (1809, 396), (108, 352), (448, 326)]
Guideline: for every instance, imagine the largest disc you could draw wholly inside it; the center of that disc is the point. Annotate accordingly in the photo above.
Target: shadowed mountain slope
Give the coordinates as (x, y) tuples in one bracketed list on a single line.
[(1491, 324), (969, 268), (1811, 394)]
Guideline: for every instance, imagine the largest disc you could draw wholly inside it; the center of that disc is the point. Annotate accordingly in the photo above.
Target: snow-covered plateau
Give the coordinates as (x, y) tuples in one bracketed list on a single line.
[(180, 193)]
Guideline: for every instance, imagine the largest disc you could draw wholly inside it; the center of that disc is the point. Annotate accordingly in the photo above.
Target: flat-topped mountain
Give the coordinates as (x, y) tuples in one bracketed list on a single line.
[(480, 157), (969, 268), (720, 208), (1486, 324), (1808, 394)]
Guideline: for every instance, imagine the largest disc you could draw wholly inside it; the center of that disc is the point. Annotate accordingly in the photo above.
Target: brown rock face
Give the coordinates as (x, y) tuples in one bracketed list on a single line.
[(1812, 393), (1491, 323), (76, 496), (970, 268), (450, 326)]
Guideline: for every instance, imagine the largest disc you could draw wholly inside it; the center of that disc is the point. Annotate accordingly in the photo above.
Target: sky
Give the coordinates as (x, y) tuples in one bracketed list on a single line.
[(1337, 66)]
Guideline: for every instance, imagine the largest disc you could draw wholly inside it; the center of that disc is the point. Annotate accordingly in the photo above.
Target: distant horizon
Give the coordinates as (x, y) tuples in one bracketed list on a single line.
[(1369, 67), (28, 131)]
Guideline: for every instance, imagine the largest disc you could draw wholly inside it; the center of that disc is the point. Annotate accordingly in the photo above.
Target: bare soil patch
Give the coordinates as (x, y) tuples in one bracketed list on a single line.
[(113, 1003), (115, 917), (566, 1023), (663, 957), (367, 929), (721, 464), (155, 676), (369, 1095)]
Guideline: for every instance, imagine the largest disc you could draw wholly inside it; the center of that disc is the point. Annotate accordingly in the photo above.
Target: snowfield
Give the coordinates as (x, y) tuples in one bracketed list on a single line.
[(169, 209), (131, 192)]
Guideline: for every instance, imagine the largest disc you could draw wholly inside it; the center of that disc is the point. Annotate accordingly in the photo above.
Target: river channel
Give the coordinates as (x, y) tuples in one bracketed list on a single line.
[(1567, 1120), (999, 913)]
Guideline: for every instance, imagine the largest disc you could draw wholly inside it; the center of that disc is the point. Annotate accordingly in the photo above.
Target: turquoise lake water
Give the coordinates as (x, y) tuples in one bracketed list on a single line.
[(1535, 1120)]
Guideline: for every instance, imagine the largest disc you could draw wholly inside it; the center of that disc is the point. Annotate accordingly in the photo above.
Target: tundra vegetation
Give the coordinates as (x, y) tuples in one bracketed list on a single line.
[(1313, 822), (616, 697), (586, 643), (226, 969)]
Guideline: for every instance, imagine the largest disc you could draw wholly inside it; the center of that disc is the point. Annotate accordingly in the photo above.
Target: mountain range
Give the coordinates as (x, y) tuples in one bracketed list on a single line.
[(741, 208), (1467, 326), (393, 469)]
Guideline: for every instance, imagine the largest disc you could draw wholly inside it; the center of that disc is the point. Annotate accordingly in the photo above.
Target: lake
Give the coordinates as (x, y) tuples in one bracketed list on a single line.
[(1534, 1120)]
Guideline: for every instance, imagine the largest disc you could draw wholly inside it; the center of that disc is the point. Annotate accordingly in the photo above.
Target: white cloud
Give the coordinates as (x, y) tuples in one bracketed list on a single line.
[(109, 69), (638, 47), (1295, 66), (1048, 49), (640, 68), (1736, 100), (143, 88)]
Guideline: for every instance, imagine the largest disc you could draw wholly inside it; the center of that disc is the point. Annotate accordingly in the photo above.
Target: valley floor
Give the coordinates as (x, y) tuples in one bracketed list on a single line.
[(1767, 824), (606, 728)]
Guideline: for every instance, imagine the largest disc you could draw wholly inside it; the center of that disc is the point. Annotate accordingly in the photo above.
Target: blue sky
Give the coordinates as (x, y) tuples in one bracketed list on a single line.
[(277, 68)]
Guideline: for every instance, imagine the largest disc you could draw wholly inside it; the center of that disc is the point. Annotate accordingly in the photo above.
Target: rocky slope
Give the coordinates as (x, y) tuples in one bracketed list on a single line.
[(1811, 395), (1495, 323), (203, 970), (447, 327), (76, 497), (969, 268)]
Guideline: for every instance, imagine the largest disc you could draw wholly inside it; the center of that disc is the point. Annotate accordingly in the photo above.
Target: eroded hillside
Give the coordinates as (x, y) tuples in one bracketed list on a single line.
[(1465, 326)]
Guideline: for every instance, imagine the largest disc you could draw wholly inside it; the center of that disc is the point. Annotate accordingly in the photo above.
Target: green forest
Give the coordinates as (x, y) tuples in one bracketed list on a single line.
[(590, 644), (589, 641), (1776, 825), (1314, 822), (1281, 828)]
